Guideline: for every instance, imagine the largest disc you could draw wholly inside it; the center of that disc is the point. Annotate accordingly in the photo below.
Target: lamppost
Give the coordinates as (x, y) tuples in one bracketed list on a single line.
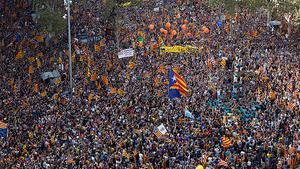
[(67, 3)]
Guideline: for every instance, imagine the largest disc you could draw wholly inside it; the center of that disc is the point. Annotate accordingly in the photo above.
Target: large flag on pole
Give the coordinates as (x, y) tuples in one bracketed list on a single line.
[(3, 129), (177, 85)]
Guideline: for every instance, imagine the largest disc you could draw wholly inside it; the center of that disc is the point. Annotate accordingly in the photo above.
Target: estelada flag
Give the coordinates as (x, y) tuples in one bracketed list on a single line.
[(209, 64), (104, 79), (226, 142), (11, 82), (31, 59), (94, 76), (39, 38), (30, 69), (97, 48), (291, 106), (112, 90), (177, 85), (91, 95), (125, 154), (272, 95), (36, 87), (131, 65), (20, 54), (3, 129), (156, 81), (162, 69)]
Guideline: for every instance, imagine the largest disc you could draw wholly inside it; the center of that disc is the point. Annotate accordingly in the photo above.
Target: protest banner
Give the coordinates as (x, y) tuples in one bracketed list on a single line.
[(126, 53), (177, 49)]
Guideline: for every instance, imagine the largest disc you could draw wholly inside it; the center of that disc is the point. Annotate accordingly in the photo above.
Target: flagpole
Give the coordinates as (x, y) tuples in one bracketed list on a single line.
[(168, 85), (70, 49)]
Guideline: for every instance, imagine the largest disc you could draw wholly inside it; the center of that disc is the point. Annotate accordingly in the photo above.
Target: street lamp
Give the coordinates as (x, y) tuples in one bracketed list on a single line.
[(67, 3)]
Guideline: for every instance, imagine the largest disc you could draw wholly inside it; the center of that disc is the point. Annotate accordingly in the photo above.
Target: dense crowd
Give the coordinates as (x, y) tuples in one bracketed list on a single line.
[(243, 81)]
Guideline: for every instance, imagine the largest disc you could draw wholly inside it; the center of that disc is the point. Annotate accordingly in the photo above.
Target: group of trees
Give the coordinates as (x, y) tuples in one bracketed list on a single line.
[(282, 10), (50, 12)]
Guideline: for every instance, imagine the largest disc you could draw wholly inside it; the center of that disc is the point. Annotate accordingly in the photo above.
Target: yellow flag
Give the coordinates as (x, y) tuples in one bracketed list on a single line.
[(125, 154), (73, 57), (15, 88), (59, 60), (258, 90), (127, 75), (52, 60), (98, 85), (159, 41), (112, 90), (97, 48), (36, 87), (11, 82), (109, 65), (31, 59), (55, 96), (30, 135), (269, 85), (39, 38), (38, 62), (176, 68), (131, 65), (291, 106), (223, 63), (44, 93), (156, 81), (57, 81), (30, 69), (20, 54), (120, 92), (159, 93), (140, 44), (94, 76), (88, 73), (272, 95), (290, 86), (104, 79), (91, 95), (102, 42), (81, 58), (40, 54), (162, 69)]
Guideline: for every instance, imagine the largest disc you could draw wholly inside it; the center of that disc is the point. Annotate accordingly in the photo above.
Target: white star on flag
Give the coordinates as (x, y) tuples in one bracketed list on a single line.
[(174, 78)]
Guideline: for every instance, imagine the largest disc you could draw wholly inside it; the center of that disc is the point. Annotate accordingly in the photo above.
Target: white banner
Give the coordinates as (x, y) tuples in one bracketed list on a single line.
[(126, 53)]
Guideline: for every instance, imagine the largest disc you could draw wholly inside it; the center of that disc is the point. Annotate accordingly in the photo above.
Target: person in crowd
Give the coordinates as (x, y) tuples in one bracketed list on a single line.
[(243, 88)]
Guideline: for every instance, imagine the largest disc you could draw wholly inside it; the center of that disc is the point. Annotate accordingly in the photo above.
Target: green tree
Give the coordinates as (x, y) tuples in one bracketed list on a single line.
[(289, 9), (52, 21), (50, 15), (275, 8)]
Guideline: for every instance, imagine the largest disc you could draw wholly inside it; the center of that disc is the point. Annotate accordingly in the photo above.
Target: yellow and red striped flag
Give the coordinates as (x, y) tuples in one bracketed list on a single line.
[(226, 142), (104, 79)]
